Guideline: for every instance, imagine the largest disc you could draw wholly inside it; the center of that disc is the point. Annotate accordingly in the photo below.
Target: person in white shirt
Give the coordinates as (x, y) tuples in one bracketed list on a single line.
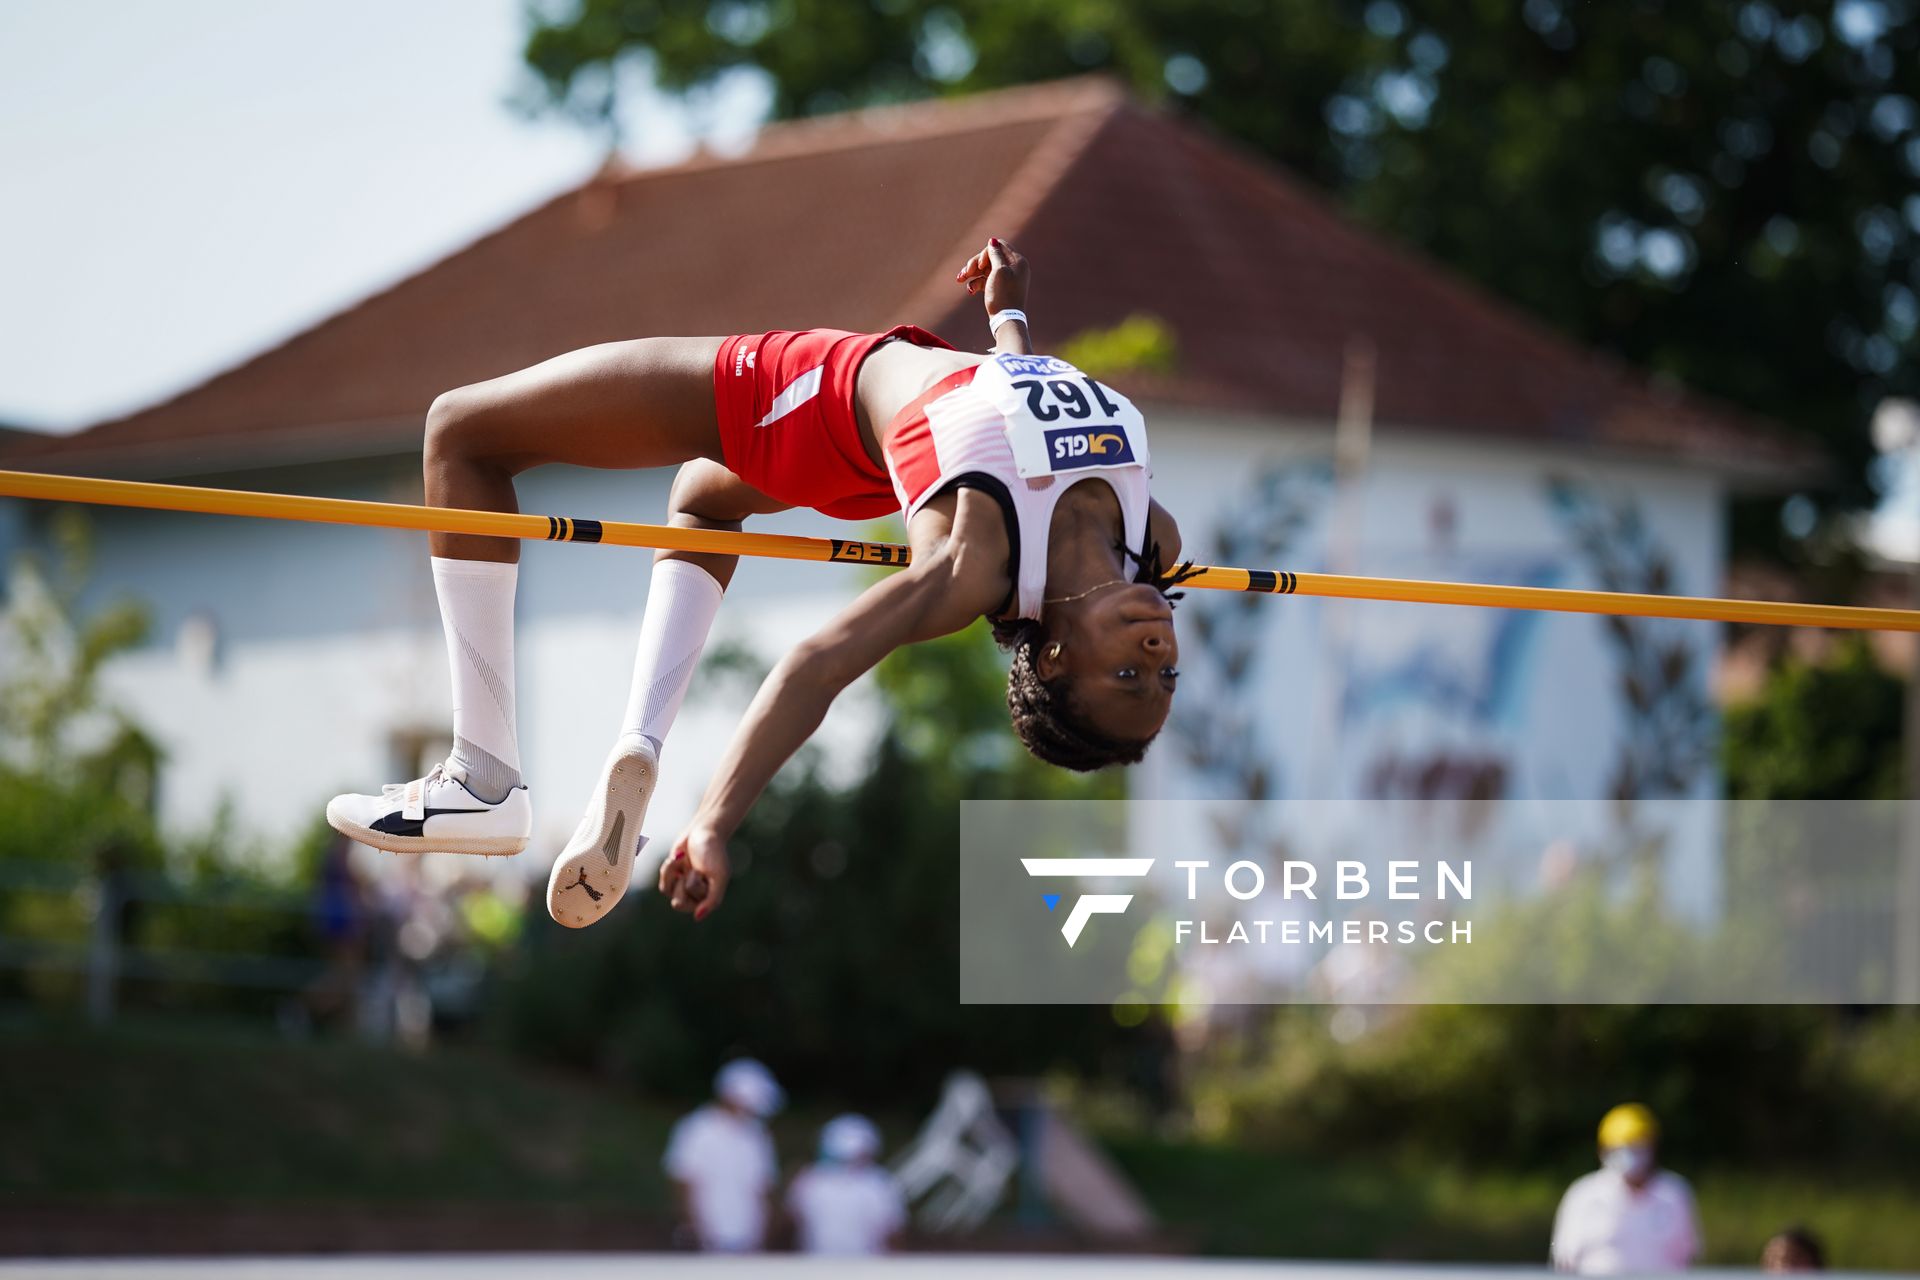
[(1630, 1215), (722, 1163), (846, 1204)]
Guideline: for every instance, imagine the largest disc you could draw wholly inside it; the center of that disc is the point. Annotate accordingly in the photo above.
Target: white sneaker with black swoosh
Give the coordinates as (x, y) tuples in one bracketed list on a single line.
[(435, 814), (592, 872)]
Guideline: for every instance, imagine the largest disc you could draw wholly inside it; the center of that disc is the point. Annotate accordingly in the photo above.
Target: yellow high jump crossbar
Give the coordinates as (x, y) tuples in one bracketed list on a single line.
[(499, 524)]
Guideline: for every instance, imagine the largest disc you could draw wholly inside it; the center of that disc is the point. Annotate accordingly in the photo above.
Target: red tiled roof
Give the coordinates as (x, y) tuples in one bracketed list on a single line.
[(858, 221)]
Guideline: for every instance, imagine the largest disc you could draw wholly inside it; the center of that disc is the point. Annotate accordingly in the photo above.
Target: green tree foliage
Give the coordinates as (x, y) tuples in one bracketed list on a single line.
[(76, 775), (1723, 192), (1828, 730), (55, 721), (835, 958), (1138, 344), (78, 788)]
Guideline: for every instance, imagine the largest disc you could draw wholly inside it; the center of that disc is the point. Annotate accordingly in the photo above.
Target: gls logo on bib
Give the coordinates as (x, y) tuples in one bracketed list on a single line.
[(1072, 447)]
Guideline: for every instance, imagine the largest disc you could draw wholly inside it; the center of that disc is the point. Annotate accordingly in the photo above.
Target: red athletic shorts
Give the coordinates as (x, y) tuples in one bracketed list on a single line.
[(787, 420)]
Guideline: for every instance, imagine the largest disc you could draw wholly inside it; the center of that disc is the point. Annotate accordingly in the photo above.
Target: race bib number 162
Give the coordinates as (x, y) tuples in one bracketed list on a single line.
[(1059, 419)]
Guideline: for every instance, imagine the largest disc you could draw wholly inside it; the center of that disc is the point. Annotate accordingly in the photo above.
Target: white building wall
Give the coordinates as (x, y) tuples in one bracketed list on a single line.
[(1346, 688)]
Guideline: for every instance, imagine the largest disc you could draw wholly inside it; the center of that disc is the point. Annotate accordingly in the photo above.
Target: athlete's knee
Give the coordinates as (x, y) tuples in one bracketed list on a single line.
[(450, 421), (463, 426), (704, 496)]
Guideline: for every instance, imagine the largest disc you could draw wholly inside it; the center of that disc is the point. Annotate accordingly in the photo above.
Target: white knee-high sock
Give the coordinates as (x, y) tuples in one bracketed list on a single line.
[(476, 608), (682, 600)]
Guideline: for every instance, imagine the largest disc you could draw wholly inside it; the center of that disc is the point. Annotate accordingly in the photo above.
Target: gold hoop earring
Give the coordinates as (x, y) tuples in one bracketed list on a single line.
[(1053, 650)]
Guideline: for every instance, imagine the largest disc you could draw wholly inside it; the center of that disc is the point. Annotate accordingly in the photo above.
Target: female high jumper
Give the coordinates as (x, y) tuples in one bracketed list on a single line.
[(991, 458)]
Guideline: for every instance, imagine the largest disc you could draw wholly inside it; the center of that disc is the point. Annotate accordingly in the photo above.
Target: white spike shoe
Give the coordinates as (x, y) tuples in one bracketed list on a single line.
[(593, 871), (435, 814)]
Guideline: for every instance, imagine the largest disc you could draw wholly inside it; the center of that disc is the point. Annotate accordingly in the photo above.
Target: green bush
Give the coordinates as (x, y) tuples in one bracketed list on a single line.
[(1827, 730), (1525, 1085)]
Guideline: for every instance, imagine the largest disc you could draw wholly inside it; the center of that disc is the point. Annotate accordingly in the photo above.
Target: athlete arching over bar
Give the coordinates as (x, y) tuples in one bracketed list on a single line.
[(1024, 485)]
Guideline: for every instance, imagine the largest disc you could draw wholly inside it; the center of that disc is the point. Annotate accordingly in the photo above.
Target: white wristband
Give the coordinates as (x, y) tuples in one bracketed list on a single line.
[(999, 318)]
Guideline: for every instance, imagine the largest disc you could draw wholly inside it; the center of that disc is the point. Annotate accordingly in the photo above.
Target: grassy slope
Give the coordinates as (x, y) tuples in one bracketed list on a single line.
[(161, 1114), (169, 1114)]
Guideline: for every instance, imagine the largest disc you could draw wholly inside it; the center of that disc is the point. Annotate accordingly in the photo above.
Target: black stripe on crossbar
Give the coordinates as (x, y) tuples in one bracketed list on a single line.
[(586, 531), (1261, 579), (553, 529), (1292, 580)]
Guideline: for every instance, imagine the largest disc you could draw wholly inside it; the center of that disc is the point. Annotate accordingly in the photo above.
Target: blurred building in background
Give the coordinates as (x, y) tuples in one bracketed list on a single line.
[(1320, 400)]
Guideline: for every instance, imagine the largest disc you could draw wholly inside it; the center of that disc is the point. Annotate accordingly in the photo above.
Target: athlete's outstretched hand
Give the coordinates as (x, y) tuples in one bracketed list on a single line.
[(694, 876), (999, 271)]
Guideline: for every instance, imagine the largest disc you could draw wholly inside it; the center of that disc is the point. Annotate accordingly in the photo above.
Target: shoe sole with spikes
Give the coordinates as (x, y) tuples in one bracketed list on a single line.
[(592, 873)]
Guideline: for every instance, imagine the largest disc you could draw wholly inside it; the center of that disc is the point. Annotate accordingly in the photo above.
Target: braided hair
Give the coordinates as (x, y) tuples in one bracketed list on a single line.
[(1044, 716)]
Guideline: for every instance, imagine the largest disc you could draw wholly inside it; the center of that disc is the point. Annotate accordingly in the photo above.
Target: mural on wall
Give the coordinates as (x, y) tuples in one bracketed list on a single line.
[(1220, 733), (1321, 698), (1669, 726), (1668, 729), (1438, 711), (1227, 736)]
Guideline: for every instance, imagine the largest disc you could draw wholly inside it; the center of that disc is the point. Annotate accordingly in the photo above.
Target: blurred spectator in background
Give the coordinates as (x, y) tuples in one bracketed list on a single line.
[(845, 1203), (340, 912), (1629, 1215), (721, 1160), (395, 1006), (1795, 1249)]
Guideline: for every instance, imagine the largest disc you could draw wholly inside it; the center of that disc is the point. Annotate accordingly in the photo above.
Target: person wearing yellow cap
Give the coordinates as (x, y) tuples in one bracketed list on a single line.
[(1629, 1215)]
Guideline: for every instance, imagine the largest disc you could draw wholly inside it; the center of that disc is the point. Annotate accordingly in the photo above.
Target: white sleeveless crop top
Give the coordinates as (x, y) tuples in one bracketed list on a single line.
[(1025, 428)]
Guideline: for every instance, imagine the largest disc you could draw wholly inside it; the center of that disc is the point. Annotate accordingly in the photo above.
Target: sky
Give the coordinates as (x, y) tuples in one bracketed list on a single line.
[(190, 182), (1893, 529)]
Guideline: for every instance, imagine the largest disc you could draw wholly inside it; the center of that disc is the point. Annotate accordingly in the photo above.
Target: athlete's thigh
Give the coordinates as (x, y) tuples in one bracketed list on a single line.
[(705, 494), (647, 402)]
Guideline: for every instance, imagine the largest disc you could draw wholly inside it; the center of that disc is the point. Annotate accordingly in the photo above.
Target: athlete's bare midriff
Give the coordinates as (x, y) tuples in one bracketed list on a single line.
[(893, 376)]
